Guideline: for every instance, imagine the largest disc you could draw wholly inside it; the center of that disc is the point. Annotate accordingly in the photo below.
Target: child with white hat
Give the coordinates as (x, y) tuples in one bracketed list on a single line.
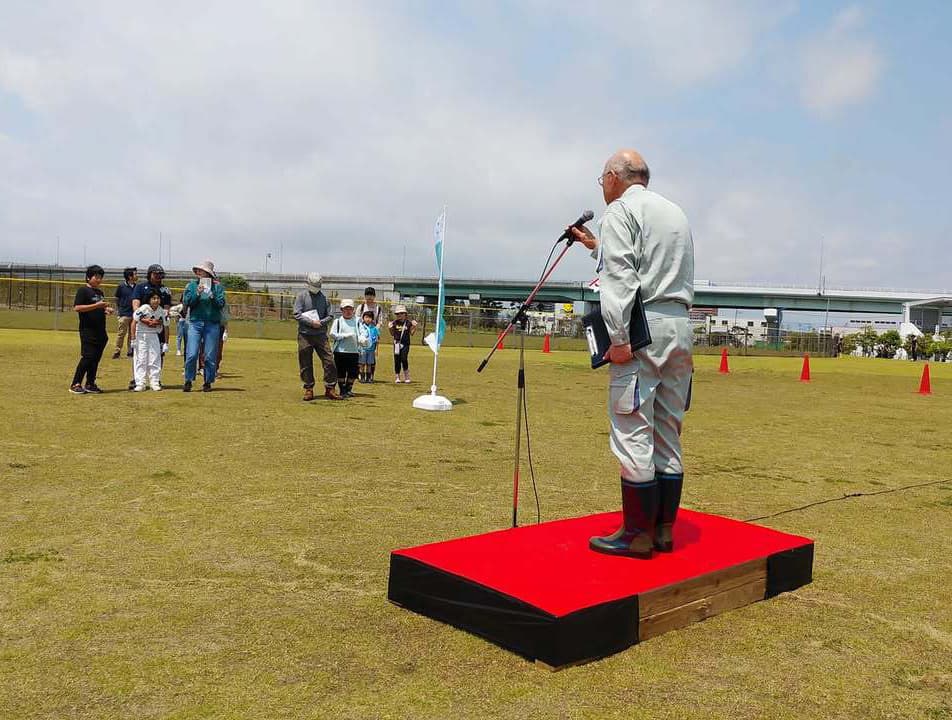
[(401, 328), (346, 336)]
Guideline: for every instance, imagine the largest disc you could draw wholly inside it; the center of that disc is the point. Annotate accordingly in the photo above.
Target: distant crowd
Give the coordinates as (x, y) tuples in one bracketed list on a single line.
[(346, 344)]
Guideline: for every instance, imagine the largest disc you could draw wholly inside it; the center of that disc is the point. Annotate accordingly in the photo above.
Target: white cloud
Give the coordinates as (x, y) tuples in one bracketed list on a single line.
[(339, 130), (840, 67), (330, 129), (686, 42)]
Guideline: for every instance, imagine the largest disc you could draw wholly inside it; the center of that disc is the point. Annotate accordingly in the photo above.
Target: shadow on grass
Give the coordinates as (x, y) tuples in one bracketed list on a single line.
[(197, 389)]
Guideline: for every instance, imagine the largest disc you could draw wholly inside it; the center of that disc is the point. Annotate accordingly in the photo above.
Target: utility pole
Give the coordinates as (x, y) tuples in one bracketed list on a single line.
[(57, 250), (281, 259)]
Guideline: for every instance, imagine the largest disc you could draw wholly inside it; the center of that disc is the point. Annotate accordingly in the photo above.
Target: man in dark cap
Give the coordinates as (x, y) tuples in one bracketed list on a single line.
[(154, 282), (124, 292)]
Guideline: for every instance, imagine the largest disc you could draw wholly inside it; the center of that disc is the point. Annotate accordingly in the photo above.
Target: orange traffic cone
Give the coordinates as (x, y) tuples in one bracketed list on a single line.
[(724, 368), (547, 345), (500, 345), (805, 372), (925, 385)]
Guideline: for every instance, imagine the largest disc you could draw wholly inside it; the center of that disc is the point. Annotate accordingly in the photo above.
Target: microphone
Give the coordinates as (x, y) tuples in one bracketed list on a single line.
[(583, 218)]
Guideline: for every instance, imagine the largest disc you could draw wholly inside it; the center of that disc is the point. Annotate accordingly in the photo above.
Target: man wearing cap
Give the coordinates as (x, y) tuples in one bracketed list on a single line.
[(645, 244), (124, 292), (313, 313), (154, 278), (204, 297)]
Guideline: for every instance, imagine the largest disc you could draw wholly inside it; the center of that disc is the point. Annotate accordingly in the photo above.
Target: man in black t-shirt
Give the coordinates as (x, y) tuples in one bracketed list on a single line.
[(92, 309)]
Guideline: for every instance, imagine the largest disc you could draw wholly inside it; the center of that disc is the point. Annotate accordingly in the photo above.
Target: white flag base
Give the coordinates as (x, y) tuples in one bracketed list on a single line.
[(432, 402)]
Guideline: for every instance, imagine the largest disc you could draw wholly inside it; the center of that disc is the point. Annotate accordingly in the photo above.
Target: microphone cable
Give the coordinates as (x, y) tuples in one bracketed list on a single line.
[(535, 490), (525, 408)]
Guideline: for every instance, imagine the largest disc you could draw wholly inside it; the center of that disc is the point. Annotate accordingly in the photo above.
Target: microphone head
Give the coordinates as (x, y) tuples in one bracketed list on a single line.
[(586, 216)]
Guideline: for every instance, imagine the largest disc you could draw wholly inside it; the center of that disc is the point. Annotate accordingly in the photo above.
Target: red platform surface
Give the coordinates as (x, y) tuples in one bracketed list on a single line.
[(550, 566)]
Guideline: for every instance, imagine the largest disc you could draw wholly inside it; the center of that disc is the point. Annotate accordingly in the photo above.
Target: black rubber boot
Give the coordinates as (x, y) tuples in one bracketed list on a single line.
[(635, 538), (669, 499)]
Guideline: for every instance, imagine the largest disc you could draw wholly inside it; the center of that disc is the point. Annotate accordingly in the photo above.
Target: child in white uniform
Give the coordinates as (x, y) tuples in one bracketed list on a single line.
[(150, 321)]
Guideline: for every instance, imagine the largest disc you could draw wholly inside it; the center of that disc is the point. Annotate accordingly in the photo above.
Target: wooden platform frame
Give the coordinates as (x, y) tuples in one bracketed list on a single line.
[(557, 639)]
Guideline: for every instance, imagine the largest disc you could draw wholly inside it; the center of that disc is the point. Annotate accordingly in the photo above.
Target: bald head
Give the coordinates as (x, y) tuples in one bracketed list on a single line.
[(623, 169), (629, 167)]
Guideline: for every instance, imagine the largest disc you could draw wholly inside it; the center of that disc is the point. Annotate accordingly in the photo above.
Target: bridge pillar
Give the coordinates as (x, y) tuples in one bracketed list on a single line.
[(774, 319)]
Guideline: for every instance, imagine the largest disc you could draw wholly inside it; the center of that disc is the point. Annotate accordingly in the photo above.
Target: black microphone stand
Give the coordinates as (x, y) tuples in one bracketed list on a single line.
[(522, 319)]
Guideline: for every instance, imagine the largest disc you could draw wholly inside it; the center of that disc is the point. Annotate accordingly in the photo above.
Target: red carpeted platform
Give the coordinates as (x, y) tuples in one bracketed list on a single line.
[(540, 591)]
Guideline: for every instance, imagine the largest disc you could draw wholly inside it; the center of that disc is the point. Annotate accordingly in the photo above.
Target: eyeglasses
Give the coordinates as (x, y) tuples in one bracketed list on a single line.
[(601, 178)]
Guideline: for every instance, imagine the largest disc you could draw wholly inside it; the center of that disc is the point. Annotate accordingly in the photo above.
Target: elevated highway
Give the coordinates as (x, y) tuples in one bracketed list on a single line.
[(706, 294)]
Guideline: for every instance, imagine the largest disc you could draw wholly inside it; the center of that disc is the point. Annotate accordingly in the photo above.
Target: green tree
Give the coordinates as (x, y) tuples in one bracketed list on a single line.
[(849, 343), (941, 349), (867, 339), (235, 283), (889, 343)]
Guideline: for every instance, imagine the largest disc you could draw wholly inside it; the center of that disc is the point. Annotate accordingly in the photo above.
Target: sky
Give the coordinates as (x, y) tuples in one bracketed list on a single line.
[(336, 132)]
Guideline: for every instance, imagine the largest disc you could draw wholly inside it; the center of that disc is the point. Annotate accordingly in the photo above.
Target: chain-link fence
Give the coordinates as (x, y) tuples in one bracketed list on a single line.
[(47, 303), (39, 300), (777, 341)]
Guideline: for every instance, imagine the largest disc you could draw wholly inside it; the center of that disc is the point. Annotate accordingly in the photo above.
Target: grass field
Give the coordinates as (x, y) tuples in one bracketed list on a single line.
[(165, 555)]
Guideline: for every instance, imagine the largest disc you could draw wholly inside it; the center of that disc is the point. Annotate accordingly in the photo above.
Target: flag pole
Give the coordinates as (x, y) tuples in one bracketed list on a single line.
[(439, 306), (432, 401)]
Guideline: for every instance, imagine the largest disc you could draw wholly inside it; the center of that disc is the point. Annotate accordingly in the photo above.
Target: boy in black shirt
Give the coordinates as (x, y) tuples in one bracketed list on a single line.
[(92, 309)]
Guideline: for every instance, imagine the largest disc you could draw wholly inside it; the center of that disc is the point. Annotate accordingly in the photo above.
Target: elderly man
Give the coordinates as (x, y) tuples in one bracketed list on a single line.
[(313, 313), (644, 242)]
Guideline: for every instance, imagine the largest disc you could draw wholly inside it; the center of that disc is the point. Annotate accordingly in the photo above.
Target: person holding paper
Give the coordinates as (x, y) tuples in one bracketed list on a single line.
[(644, 242), (313, 313), (204, 297)]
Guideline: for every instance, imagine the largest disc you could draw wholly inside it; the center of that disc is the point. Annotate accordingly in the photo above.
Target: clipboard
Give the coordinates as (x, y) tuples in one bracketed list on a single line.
[(597, 334)]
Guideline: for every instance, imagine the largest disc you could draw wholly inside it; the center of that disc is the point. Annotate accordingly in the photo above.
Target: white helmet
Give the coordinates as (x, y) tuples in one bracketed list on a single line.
[(314, 282)]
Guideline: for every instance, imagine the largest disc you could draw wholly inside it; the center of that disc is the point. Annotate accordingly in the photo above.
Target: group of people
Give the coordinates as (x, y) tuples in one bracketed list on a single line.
[(347, 345), (145, 312), (644, 249)]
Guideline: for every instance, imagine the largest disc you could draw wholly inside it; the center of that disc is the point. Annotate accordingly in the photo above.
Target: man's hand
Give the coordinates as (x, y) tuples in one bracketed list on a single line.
[(584, 236), (315, 323), (619, 354)]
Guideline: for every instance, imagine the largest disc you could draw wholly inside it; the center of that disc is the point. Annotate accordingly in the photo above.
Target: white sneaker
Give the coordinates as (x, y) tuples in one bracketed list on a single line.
[(157, 388), (138, 388), (397, 379), (178, 352)]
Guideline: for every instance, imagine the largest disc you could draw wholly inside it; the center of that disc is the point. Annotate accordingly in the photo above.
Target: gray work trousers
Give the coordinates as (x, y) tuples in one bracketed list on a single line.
[(647, 397), (307, 346)]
